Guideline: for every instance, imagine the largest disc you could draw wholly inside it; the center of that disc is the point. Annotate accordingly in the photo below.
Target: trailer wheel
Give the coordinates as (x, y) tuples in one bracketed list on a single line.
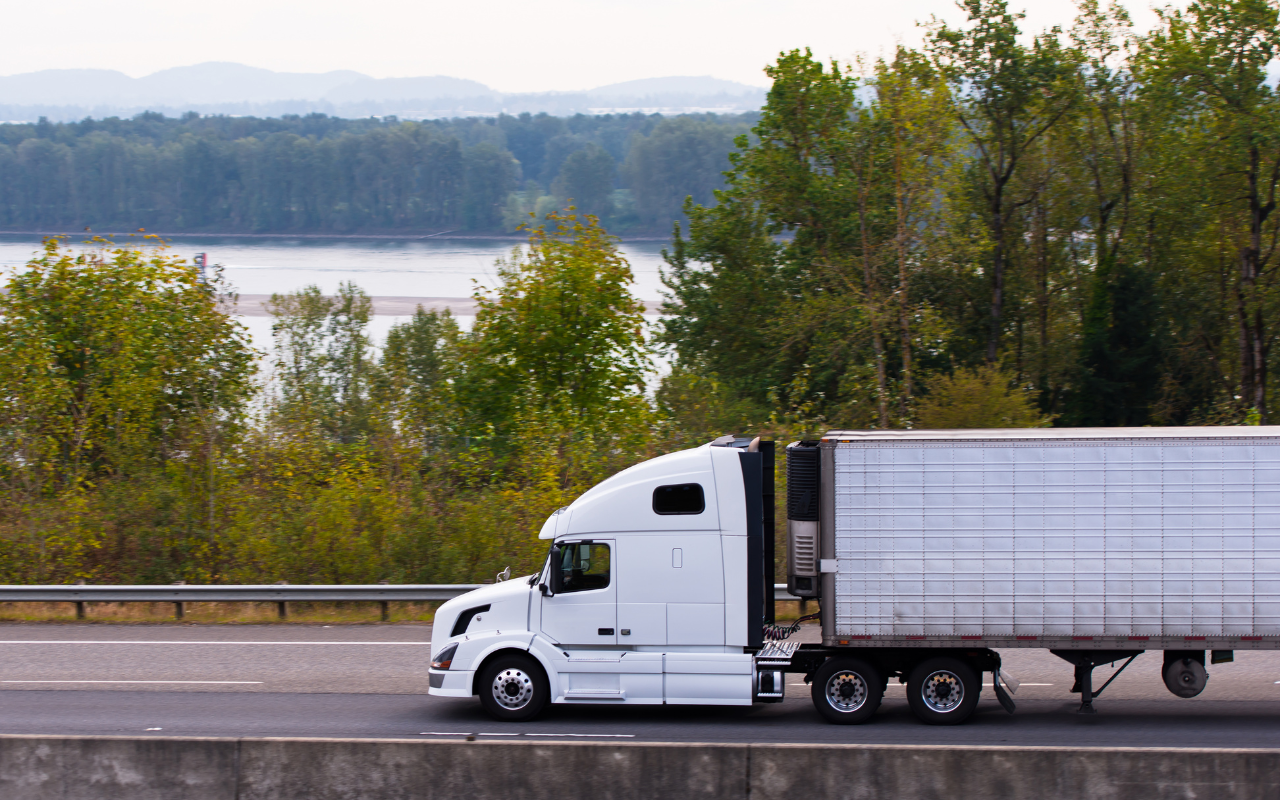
[(513, 688), (943, 690), (846, 690)]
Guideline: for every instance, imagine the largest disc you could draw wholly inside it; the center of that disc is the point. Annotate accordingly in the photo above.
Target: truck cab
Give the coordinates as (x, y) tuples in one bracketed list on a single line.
[(653, 591)]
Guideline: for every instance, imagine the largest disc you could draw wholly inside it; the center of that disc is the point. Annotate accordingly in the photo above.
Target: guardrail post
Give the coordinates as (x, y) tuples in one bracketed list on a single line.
[(282, 608), (80, 604), (386, 607), (179, 609)]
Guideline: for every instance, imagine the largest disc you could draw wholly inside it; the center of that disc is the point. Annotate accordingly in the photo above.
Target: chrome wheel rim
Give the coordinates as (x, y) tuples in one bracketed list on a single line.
[(512, 689), (846, 691), (942, 691)]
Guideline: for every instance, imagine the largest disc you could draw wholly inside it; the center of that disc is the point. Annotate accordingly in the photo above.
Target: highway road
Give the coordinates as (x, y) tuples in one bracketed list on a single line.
[(370, 681)]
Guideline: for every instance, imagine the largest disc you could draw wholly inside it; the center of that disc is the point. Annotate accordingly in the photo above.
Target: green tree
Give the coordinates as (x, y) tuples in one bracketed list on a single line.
[(562, 335), (983, 397), (586, 178), (418, 369), (107, 356), (489, 175), (324, 359), (1213, 58), (681, 157), (122, 370), (1007, 95)]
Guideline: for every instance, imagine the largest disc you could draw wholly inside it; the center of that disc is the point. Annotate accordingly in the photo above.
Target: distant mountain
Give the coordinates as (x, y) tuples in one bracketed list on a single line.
[(66, 87), (649, 87), (223, 82), (384, 89), (227, 88)]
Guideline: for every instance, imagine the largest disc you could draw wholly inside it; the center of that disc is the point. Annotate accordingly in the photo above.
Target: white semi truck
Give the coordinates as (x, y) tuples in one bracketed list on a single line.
[(927, 551)]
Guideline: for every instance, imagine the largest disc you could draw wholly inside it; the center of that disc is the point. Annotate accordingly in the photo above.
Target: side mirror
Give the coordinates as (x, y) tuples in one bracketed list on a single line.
[(557, 575)]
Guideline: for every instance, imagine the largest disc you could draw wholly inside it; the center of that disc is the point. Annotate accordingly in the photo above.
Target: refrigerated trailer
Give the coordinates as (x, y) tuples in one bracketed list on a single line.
[(927, 552)]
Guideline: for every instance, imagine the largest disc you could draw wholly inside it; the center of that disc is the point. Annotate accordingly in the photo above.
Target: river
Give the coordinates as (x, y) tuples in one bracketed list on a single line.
[(442, 270)]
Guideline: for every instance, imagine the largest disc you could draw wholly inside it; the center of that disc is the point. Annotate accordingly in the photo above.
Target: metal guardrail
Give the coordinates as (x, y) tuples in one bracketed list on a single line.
[(281, 594), (269, 593)]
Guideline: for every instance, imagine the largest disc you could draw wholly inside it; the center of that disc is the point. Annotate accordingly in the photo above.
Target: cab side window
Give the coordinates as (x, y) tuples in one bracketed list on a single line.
[(584, 566), (681, 498)]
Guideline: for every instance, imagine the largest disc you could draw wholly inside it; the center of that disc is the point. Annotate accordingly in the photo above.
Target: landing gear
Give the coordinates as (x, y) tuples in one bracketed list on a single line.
[(1085, 661)]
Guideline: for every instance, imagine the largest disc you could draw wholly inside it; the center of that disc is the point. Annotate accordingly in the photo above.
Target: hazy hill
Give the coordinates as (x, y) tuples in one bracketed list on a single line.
[(652, 87), (227, 88)]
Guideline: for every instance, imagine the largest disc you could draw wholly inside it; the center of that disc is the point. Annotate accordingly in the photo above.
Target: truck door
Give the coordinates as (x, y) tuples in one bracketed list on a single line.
[(584, 609)]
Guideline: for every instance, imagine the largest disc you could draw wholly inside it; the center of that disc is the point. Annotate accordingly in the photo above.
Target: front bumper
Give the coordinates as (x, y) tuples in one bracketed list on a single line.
[(450, 683)]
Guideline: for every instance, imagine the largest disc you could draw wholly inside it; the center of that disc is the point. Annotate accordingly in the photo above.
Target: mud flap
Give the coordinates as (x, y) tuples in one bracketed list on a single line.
[(1006, 701)]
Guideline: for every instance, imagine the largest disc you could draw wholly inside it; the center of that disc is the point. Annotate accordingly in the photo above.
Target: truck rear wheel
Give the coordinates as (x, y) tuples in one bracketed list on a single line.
[(513, 688), (847, 690), (943, 690)]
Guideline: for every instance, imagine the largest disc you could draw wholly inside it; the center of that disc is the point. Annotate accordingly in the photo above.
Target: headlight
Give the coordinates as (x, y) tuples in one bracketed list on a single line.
[(445, 658)]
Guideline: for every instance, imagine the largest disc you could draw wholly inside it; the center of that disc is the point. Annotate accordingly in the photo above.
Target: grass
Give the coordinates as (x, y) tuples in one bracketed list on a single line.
[(341, 613)]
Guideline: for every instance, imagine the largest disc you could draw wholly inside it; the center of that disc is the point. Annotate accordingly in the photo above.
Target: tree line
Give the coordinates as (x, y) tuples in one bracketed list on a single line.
[(1075, 228), (1087, 215), (321, 174)]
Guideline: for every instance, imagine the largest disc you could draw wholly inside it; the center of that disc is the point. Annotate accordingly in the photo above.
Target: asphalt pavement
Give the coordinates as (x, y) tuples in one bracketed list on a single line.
[(370, 681)]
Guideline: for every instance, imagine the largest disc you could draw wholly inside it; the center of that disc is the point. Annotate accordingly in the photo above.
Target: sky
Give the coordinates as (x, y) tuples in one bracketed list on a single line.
[(510, 45)]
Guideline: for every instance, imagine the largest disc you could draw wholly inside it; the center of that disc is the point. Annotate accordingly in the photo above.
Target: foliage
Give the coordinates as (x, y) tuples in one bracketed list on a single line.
[(980, 397), (996, 230), (326, 175), (562, 337), (1091, 209), (119, 366), (109, 357)]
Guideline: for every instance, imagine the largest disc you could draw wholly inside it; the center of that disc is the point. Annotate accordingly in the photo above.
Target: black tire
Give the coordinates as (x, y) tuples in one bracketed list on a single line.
[(513, 688), (943, 690), (847, 690)]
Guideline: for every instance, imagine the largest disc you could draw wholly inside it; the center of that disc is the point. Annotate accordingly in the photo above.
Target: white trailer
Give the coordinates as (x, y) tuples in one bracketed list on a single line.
[(926, 551)]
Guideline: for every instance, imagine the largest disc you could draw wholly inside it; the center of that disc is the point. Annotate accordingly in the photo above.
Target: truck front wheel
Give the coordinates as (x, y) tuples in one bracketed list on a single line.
[(513, 688), (847, 690), (943, 690)]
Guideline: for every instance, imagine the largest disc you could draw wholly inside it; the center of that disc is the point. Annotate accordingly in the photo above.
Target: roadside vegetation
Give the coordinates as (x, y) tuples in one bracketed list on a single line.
[(999, 230)]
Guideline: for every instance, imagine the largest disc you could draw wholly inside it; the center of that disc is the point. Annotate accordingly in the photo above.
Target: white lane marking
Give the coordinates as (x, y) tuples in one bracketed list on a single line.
[(200, 682), (176, 641), (155, 729), (597, 735)]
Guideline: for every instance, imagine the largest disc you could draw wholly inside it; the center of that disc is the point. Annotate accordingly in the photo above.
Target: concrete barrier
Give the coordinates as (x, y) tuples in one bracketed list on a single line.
[(110, 768)]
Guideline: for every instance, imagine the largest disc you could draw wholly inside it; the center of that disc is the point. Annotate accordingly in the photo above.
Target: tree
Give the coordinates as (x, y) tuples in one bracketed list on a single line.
[(1213, 57), (489, 174), (915, 107), (324, 359), (418, 369), (109, 357), (586, 178), (682, 157), (562, 336), (818, 169), (983, 397), (1007, 97), (122, 371)]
